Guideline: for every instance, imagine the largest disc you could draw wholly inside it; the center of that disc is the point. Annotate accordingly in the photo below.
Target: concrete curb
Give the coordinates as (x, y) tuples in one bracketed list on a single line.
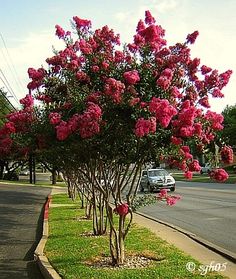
[(221, 251), (45, 267)]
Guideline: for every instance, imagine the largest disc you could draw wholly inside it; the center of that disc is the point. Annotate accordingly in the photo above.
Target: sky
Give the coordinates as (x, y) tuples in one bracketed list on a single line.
[(27, 33)]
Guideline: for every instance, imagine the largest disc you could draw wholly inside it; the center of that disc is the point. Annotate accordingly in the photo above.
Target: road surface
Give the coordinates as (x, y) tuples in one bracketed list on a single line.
[(206, 209), (20, 229)]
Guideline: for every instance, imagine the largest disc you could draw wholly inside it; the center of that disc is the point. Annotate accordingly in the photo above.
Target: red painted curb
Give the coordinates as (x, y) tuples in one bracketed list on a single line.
[(46, 207)]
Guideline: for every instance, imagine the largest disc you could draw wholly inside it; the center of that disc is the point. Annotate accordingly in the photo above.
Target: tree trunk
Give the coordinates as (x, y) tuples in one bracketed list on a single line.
[(54, 176), (99, 218), (116, 239)]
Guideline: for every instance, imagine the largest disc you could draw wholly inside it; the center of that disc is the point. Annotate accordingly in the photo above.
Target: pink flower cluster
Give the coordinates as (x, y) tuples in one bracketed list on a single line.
[(194, 166), (114, 88), (227, 155), (82, 24), (191, 38), (87, 123), (188, 175), (37, 77), (170, 200), (164, 81), (5, 145), (27, 101), (131, 77), (54, 118), (122, 209), (145, 126), (163, 110), (215, 120), (219, 174), (8, 128), (61, 33)]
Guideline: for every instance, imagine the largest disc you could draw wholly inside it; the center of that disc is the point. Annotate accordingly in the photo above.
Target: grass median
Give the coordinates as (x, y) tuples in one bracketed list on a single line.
[(197, 177), (74, 253)]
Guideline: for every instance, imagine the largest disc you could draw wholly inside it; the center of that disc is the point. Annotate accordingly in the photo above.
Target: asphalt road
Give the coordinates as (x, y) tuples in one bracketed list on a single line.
[(207, 210), (20, 230)]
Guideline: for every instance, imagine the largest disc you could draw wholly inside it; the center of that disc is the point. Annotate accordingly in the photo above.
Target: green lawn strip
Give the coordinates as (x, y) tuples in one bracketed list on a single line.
[(70, 252), (203, 178)]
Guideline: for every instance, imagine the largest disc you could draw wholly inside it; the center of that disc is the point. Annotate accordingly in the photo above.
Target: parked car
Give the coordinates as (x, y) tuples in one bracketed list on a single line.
[(11, 175), (24, 172), (156, 179), (207, 168)]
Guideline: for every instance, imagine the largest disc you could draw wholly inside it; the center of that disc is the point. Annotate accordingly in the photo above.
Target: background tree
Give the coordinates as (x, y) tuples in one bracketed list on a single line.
[(228, 134)]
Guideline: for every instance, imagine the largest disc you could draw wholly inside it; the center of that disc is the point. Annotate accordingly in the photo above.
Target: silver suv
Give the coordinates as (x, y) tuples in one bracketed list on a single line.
[(156, 179)]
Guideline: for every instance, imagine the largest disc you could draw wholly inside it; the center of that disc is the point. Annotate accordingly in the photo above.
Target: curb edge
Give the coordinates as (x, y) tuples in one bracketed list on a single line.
[(42, 261)]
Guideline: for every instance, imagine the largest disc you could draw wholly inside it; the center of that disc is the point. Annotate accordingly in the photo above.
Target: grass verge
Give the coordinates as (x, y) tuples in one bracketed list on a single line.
[(70, 252), (203, 178)]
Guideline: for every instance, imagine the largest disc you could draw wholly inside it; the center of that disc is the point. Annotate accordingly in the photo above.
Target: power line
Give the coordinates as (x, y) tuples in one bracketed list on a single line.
[(11, 65), (8, 86)]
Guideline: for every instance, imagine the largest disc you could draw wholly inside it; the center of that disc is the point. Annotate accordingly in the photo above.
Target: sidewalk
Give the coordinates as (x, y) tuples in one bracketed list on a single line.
[(189, 246)]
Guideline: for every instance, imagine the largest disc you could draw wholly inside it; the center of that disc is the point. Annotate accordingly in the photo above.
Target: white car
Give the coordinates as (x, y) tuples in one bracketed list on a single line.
[(156, 179)]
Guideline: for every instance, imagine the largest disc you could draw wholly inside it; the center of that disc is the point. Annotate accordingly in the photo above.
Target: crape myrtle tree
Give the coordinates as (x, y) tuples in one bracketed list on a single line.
[(123, 107)]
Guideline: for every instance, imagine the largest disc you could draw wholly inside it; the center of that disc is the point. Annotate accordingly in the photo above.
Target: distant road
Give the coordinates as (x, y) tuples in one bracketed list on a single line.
[(20, 229), (206, 209)]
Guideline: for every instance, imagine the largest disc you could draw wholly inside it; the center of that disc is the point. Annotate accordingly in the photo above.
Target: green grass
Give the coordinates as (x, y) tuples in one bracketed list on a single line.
[(69, 252), (203, 178)]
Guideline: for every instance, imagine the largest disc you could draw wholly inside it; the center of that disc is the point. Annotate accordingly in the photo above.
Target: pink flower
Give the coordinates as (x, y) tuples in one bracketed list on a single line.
[(150, 33), (28, 101), (131, 77), (54, 118), (82, 76), (176, 141), (145, 126), (219, 174), (185, 148), (215, 120), (217, 93), (163, 193), (62, 130), (5, 145), (60, 32), (88, 122), (85, 47), (114, 88), (172, 200), (188, 175), (186, 131), (8, 128), (163, 110), (205, 70), (149, 19), (119, 56), (227, 155), (194, 166), (191, 38), (82, 23), (122, 209), (142, 127)]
